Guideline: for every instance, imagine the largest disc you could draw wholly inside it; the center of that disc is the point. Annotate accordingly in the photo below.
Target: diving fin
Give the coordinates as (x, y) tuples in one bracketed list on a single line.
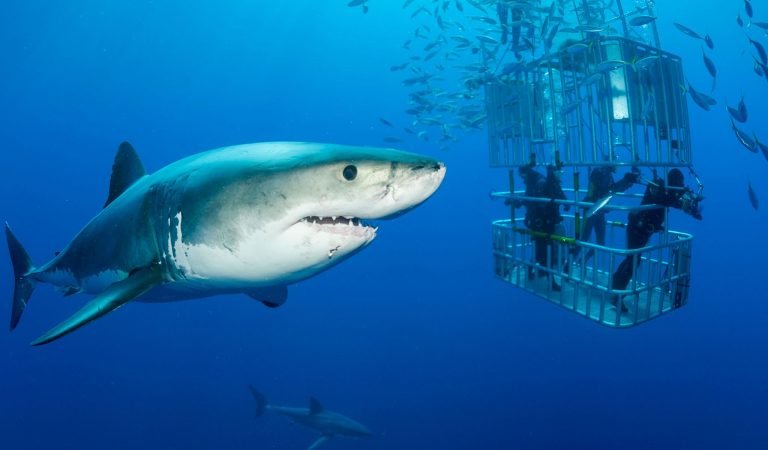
[(22, 266), (320, 441), (115, 296), (271, 296)]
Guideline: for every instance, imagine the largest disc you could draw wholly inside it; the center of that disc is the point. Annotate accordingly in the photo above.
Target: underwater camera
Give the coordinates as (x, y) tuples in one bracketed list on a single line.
[(690, 204)]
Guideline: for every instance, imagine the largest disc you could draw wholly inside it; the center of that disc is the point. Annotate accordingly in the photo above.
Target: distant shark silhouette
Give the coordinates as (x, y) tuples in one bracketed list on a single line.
[(245, 219), (328, 423)]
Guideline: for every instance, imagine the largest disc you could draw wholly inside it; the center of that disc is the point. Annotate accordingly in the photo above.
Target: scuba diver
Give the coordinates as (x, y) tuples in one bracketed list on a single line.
[(542, 217), (504, 11), (601, 185), (643, 224)]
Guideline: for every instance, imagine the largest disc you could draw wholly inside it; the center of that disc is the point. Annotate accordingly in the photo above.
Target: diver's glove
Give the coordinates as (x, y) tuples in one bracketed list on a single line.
[(633, 176)]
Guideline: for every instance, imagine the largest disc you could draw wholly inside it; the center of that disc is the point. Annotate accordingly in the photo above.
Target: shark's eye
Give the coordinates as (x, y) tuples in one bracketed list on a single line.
[(350, 172)]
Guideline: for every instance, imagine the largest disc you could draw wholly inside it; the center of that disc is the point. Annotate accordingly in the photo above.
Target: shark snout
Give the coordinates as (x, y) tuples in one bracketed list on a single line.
[(430, 176), (427, 170), (434, 166)]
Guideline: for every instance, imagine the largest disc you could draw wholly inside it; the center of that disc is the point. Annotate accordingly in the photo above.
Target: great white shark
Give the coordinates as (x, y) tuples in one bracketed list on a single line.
[(328, 423), (246, 219)]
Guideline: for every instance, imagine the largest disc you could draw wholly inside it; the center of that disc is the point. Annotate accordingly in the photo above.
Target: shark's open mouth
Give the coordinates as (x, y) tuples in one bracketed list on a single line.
[(335, 220), (340, 224)]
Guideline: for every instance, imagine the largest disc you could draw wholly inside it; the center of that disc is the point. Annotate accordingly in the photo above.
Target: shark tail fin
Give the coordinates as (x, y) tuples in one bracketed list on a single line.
[(22, 266), (261, 401)]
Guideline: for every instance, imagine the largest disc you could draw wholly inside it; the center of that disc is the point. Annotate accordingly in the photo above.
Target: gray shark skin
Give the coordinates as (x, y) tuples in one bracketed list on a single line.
[(246, 219), (328, 423)]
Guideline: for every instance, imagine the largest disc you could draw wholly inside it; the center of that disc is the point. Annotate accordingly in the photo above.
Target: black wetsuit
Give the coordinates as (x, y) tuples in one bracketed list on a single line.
[(542, 217), (642, 224), (601, 184)]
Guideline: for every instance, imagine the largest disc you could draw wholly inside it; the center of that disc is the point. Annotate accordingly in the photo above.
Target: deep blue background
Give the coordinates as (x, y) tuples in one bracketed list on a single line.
[(413, 337)]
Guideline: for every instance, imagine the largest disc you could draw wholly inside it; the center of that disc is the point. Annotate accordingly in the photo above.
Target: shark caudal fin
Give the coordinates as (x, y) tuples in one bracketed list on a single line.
[(22, 266), (261, 401)]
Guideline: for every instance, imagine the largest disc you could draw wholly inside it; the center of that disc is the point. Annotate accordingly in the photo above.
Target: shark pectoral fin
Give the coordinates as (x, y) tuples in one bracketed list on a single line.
[(320, 441), (112, 298), (271, 296)]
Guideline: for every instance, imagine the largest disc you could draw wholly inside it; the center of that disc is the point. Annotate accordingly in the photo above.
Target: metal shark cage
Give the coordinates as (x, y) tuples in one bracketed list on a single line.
[(608, 98)]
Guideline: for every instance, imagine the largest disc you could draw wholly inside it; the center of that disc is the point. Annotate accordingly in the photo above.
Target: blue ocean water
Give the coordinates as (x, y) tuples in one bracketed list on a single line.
[(414, 336)]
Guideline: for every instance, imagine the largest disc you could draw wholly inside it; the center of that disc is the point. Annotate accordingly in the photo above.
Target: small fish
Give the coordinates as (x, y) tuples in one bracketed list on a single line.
[(752, 196), (744, 139), (392, 140), (639, 21), (710, 42), (592, 28), (484, 19), (598, 206), (431, 55), (610, 65), (760, 50), (461, 40), (711, 69), (422, 79), (420, 10), (687, 31), (763, 67), (644, 63), (758, 70), (386, 122), (739, 22), (551, 37), (763, 25), (431, 45), (739, 113), (748, 8), (763, 148), (487, 39), (399, 67), (354, 3), (704, 101)]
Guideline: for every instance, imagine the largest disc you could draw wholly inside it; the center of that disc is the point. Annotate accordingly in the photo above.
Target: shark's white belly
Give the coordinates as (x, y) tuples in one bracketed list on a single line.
[(269, 256)]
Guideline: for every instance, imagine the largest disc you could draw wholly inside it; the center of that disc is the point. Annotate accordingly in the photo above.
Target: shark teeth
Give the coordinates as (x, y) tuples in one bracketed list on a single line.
[(334, 220)]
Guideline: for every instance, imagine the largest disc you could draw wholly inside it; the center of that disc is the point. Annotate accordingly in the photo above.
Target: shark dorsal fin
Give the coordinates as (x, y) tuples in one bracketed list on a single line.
[(126, 170), (314, 406)]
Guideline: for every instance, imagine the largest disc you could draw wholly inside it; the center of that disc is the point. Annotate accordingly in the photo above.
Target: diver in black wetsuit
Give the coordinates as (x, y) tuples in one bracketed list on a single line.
[(602, 184), (504, 11), (542, 217), (642, 224)]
